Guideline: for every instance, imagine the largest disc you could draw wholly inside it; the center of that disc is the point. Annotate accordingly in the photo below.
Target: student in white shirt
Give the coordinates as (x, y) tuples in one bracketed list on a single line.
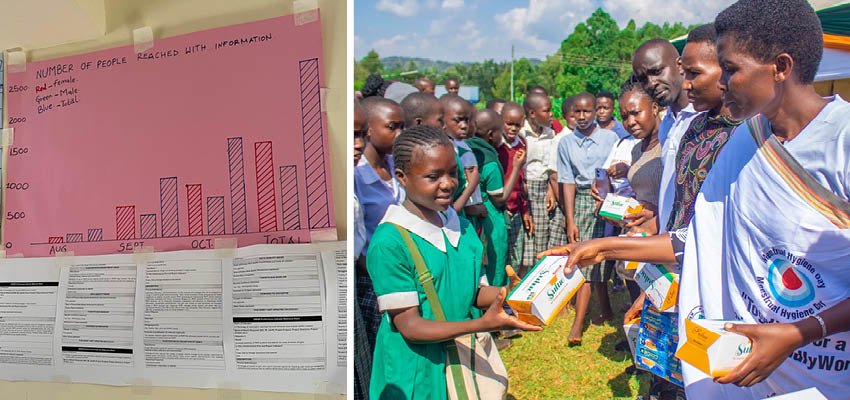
[(541, 173)]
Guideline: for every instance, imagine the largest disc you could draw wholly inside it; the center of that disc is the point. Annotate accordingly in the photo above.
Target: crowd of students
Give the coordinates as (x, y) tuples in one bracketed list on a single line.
[(741, 168)]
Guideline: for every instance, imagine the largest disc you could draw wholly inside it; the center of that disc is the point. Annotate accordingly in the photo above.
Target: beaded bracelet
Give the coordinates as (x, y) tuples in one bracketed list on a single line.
[(821, 323)]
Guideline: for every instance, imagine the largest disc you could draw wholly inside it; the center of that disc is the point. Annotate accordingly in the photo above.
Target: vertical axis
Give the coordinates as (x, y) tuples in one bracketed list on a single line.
[(168, 207), (236, 167), (289, 204), (318, 210), (196, 214), (266, 207)]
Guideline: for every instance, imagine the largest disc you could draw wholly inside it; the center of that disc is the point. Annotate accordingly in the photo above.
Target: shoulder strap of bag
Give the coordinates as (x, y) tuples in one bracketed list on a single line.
[(423, 274), (830, 205), (427, 282)]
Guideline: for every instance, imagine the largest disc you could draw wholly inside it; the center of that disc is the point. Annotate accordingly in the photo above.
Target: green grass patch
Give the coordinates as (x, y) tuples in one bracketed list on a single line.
[(542, 366)]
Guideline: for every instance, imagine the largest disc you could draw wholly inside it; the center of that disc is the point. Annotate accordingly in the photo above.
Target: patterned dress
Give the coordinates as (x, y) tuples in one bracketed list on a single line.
[(698, 149)]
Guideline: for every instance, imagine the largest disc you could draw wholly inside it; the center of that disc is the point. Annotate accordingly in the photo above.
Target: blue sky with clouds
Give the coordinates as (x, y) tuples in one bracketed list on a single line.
[(475, 30)]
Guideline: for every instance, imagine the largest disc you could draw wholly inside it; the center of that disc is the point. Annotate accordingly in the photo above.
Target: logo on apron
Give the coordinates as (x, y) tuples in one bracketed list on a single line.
[(790, 287)]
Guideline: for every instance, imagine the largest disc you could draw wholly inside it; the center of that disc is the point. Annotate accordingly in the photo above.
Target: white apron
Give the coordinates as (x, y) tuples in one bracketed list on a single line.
[(767, 243)]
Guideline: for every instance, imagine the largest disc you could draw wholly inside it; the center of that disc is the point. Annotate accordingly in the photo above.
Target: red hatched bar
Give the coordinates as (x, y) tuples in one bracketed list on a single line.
[(125, 222)]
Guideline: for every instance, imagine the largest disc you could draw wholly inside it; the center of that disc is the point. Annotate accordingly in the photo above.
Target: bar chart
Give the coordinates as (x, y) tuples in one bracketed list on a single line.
[(166, 223), (170, 155)]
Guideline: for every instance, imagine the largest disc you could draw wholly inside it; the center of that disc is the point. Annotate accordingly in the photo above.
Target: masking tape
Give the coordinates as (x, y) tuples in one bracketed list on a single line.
[(337, 388), (323, 99), (64, 258), (326, 387), (143, 254), (5, 256), (305, 11), (229, 391), (63, 380), (142, 39), (8, 137), (225, 247), (141, 387), (16, 60), (323, 235)]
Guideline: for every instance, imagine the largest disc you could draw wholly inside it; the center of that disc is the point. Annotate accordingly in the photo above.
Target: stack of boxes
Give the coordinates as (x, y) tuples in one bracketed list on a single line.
[(657, 341), (660, 283)]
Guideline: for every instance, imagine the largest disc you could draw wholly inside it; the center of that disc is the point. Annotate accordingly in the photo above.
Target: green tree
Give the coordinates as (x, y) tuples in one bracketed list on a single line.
[(372, 63), (360, 75), (484, 76), (410, 66), (525, 76), (595, 56)]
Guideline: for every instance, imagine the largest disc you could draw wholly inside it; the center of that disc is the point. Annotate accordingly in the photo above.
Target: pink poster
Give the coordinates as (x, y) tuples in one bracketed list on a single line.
[(214, 134)]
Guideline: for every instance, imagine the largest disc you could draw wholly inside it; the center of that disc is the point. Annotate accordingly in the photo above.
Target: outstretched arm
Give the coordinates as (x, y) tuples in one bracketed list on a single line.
[(414, 328), (655, 249)]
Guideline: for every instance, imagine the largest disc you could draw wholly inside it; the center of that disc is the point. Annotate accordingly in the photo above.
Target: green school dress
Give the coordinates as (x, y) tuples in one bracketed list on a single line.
[(402, 369), (461, 180), (494, 226)]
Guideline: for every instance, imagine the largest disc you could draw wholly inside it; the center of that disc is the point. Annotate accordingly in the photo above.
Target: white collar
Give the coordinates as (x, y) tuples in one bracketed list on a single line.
[(368, 173), (547, 133), (511, 145), (433, 234), (683, 114)]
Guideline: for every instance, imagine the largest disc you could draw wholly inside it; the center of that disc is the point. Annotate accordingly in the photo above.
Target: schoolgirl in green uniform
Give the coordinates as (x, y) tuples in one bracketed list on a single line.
[(410, 352), (495, 191)]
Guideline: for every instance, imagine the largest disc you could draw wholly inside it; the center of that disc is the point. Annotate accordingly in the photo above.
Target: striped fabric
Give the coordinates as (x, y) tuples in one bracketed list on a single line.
[(520, 246), (797, 178), (590, 227), (548, 225)]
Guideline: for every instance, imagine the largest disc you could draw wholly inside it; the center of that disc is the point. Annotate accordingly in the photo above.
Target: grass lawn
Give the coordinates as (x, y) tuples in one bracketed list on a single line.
[(541, 365)]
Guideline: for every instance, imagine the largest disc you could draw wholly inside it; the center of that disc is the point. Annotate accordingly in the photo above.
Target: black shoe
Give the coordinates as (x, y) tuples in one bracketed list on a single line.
[(633, 370)]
